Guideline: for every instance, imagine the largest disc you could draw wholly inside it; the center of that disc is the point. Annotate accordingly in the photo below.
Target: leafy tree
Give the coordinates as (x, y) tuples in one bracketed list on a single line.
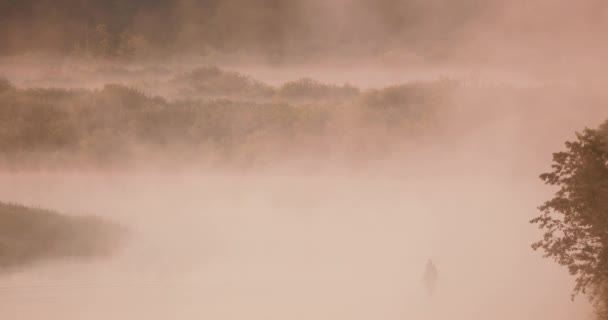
[(575, 220)]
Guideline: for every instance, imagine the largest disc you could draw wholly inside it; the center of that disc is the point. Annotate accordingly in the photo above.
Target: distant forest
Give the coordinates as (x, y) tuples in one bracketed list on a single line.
[(283, 30), (267, 27)]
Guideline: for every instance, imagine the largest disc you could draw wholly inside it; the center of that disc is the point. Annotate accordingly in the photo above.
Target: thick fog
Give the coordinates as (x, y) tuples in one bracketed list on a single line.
[(270, 246), (422, 139), (336, 241)]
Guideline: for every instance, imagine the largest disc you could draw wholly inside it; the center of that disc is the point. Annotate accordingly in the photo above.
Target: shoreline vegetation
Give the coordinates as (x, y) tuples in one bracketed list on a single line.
[(223, 117), (29, 236)]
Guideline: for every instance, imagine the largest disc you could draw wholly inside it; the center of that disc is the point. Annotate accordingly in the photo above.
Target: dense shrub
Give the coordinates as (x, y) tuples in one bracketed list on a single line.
[(29, 235)]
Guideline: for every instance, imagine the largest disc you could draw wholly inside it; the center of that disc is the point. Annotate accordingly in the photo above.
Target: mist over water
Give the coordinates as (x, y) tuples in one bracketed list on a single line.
[(317, 244), (336, 147), (226, 246)]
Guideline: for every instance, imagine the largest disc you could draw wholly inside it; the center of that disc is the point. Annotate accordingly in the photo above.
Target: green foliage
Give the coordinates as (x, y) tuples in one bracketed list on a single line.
[(405, 97), (575, 220), (235, 115), (29, 235), (214, 82), (307, 88)]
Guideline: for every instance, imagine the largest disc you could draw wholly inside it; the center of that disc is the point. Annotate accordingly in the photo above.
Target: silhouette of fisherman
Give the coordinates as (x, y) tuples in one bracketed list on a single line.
[(430, 277)]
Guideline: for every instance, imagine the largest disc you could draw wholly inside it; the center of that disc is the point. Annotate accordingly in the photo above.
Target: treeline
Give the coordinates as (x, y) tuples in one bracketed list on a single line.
[(118, 123), (212, 82), (574, 220), (271, 27), (31, 235)]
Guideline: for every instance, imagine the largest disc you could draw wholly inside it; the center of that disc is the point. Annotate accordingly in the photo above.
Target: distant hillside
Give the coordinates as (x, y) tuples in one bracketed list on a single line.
[(29, 235)]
